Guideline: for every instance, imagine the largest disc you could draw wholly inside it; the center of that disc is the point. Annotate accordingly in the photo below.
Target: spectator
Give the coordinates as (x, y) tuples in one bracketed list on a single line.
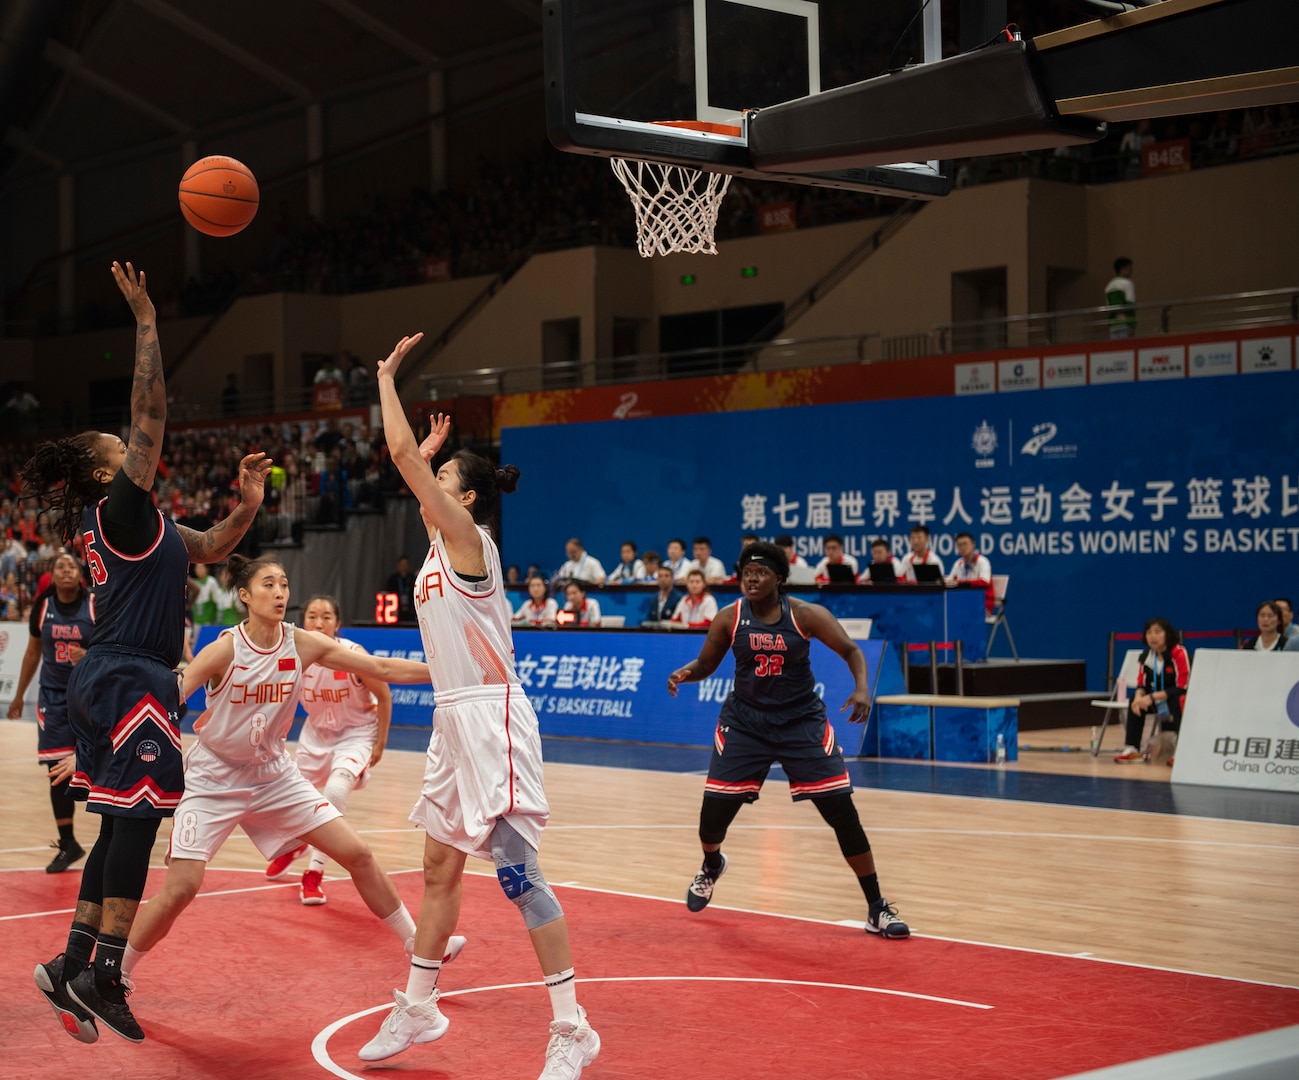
[(834, 556), (746, 541), (629, 570), (402, 582), (713, 570), (583, 610), (358, 383), (1269, 637), (580, 566), (512, 575), (539, 609), (786, 543), (1288, 628), (1161, 690), (328, 387), (1121, 297), (972, 568), (663, 604), (1132, 147), (230, 397), (920, 553), (677, 559), (699, 605), (651, 562), (881, 556)]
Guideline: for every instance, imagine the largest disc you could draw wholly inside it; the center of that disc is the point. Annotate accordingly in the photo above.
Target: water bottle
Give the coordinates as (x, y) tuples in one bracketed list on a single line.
[(1095, 741), (1121, 690), (1001, 749)]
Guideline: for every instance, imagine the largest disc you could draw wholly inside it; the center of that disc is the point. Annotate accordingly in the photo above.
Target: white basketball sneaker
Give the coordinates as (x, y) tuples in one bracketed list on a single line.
[(571, 1049), (409, 1023)]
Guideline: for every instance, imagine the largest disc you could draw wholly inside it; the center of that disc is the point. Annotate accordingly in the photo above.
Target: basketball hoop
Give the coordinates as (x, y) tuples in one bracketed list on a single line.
[(676, 206)]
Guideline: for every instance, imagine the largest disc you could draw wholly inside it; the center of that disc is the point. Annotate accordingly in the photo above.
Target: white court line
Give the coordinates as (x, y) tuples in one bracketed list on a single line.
[(320, 1048)]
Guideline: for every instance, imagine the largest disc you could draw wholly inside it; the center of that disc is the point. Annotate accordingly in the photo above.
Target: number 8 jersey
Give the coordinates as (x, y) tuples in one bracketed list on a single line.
[(251, 710)]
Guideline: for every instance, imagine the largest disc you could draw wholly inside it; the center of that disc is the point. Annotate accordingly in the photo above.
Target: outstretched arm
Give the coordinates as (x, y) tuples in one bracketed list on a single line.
[(826, 628), (710, 656), (314, 648), (148, 393), (441, 510), (215, 544)]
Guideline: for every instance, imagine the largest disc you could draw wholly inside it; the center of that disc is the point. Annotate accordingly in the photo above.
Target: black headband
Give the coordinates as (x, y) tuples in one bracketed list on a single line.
[(762, 560)]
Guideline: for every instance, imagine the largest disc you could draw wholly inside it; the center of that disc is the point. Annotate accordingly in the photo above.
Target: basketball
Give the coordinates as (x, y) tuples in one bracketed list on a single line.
[(218, 195)]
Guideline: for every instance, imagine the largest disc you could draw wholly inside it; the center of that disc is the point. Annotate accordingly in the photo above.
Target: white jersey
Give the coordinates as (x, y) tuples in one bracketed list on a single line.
[(465, 625), (337, 700), (250, 711)]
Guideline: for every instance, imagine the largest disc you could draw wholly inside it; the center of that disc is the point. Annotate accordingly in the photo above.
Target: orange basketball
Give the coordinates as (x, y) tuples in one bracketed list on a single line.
[(218, 195)]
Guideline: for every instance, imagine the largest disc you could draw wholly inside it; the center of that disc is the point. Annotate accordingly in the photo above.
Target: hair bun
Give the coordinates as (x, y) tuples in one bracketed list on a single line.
[(507, 479)]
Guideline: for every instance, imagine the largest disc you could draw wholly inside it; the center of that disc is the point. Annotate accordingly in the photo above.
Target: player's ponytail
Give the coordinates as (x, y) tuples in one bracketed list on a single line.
[(479, 475), (60, 475)]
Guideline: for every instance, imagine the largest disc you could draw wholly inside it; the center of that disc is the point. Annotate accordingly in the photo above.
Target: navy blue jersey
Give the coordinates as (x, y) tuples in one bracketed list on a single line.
[(772, 669), (58, 626), (139, 599)]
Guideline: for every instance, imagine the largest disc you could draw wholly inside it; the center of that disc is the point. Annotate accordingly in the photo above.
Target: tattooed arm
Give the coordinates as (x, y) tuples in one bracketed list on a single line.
[(215, 544), (148, 394)]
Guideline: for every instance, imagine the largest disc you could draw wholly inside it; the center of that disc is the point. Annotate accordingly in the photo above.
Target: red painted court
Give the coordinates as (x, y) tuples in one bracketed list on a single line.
[(252, 985)]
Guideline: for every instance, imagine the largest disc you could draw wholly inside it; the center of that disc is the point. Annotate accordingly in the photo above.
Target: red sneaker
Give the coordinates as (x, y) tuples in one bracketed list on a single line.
[(312, 895), (280, 865)]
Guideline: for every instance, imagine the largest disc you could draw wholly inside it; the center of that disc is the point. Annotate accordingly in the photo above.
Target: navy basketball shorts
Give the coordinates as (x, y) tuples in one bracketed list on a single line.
[(55, 741), (749, 741), (124, 711)]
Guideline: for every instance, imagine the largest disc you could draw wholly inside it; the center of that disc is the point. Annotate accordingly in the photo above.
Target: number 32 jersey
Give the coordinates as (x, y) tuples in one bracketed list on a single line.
[(251, 710), (772, 666)]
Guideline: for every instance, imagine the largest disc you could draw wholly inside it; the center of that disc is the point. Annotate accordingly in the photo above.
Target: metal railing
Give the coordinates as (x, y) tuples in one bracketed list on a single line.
[(1228, 311)]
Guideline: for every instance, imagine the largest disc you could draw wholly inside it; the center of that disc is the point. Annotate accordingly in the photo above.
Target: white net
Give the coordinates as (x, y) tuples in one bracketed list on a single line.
[(676, 207)]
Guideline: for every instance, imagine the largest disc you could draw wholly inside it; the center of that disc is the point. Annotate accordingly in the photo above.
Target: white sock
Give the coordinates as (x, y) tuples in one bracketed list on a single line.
[(318, 860), (563, 995), (423, 977), (130, 958), (401, 924)]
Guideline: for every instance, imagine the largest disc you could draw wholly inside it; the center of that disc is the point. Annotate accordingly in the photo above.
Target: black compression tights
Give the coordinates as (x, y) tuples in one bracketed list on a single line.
[(715, 817), (840, 814), (118, 864)]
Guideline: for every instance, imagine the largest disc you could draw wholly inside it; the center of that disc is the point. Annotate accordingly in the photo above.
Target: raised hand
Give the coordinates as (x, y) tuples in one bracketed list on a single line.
[(437, 436), (137, 295), (253, 471), (393, 362)]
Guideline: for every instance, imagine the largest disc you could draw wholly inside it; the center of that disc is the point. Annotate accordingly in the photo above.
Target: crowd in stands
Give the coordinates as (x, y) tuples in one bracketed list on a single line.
[(556, 200)]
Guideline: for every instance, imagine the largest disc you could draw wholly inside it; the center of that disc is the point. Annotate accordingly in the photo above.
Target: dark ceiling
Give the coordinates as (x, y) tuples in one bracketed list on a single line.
[(82, 79)]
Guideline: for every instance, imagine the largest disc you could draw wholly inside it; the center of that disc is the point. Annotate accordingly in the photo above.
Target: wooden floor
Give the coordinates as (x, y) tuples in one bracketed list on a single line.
[(1198, 894)]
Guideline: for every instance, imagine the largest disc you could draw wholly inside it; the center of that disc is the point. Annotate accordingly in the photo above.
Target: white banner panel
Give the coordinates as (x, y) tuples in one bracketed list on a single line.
[(1019, 374), (1110, 367), (1241, 723), (13, 644), (1212, 358), (1166, 362), (1060, 371), (976, 378), (1265, 354)]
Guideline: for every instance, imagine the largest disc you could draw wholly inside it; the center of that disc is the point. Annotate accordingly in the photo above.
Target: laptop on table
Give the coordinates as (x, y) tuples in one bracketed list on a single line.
[(927, 573), (881, 573), (841, 574)]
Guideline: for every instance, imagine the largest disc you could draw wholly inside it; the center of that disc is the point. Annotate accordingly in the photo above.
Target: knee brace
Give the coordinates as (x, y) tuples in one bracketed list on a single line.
[(338, 788), (521, 878), (840, 814), (126, 866), (715, 817)]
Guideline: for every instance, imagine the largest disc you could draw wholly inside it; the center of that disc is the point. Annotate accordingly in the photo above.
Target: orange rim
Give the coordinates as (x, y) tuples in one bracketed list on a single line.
[(704, 125)]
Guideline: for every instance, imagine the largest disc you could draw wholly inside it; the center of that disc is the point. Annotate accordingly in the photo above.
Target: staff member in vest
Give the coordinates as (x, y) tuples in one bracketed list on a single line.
[(538, 609), (1161, 689), (584, 610), (920, 552), (699, 607), (62, 619), (1270, 637), (971, 568), (123, 697), (774, 714)]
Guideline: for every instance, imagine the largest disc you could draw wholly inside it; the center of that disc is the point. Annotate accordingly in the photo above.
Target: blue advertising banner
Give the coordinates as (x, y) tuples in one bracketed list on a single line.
[(612, 684), (1105, 504)]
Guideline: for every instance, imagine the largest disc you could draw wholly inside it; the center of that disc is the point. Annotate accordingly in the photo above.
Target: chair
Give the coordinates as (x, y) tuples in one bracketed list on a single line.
[(1128, 672), (997, 619)]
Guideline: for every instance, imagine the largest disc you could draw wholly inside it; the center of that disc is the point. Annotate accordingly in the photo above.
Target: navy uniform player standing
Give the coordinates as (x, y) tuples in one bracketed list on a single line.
[(61, 622), (123, 697), (774, 714)]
